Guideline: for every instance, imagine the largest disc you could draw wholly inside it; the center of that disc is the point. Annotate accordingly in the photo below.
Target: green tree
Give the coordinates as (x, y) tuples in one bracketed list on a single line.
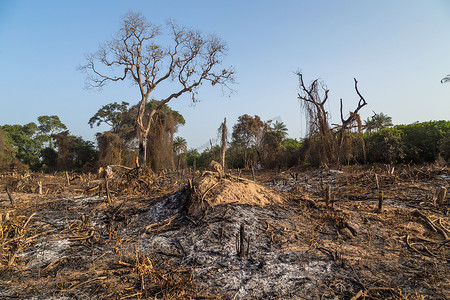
[(191, 156), (179, 149), (27, 143), (291, 150), (50, 125), (187, 61), (377, 121), (112, 114), (422, 141), (179, 145), (248, 135), (280, 130), (384, 146), (444, 146), (74, 153)]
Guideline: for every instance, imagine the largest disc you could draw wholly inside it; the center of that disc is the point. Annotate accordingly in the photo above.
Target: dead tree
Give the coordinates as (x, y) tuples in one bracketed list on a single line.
[(223, 134), (331, 141), (187, 61), (353, 118), (314, 104)]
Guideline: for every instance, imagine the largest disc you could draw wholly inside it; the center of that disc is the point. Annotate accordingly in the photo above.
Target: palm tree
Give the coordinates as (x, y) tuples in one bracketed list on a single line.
[(280, 130), (179, 145), (377, 121), (179, 148)]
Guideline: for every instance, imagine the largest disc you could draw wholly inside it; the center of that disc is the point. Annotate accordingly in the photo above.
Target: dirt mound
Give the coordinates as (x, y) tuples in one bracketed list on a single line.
[(213, 189)]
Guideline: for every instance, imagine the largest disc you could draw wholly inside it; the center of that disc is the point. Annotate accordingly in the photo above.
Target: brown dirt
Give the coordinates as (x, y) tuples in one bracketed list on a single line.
[(174, 236)]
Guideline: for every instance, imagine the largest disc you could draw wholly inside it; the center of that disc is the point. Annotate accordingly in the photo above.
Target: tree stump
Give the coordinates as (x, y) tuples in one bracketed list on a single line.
[(380, 201), (442, 194), (328, 196)]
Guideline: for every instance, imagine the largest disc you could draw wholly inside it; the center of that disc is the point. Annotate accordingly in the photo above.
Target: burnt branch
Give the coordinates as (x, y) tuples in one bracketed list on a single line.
[(352, 117)]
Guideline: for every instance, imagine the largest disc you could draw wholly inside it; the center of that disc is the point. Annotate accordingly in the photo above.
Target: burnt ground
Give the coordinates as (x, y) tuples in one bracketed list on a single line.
[(165, 236)]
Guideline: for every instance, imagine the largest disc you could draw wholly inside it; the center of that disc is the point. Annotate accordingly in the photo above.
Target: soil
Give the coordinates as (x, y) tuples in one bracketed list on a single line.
[(224, 236)]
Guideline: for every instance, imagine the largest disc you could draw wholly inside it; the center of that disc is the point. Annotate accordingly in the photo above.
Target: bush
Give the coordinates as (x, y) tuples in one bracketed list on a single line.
[(422, 141), (384, 146), (290, 152)]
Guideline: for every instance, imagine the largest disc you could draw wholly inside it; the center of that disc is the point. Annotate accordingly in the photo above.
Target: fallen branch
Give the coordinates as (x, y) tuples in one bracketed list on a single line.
[(54, 263), (433, 227), (442, 244), (162, 224), (204, 195), (410, 246), (120, 166), (136, 295)]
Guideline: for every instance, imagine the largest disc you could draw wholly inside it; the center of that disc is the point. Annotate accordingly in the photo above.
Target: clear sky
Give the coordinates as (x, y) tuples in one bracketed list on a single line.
[(398, 50)]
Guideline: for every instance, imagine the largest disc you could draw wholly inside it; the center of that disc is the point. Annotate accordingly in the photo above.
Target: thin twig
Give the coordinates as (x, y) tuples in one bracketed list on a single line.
[(83, 283)]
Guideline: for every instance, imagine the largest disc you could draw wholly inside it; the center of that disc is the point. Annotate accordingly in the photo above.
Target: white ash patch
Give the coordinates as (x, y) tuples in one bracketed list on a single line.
[(43, 253), (84, 200), (164, 209), (209, 248)]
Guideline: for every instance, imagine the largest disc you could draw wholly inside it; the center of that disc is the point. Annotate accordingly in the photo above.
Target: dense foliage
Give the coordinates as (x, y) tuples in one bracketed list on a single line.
[(417, 143), (46, 146)]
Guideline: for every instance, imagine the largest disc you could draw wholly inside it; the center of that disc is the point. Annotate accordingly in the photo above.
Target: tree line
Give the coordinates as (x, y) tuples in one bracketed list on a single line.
[(48, 146)]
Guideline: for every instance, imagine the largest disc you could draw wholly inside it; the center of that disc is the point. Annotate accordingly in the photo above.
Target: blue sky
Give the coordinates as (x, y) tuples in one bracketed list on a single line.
[(398, 50)]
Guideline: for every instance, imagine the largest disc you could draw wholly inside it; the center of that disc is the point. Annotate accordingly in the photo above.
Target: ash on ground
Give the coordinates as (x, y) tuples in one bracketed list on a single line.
[(223, 236)]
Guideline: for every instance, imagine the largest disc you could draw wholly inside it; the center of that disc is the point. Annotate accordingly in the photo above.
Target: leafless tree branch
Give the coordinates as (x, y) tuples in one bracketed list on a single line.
[(137, 52)]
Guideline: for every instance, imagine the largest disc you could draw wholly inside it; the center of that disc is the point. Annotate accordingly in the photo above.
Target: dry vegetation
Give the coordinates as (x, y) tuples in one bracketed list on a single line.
[(299, 234)]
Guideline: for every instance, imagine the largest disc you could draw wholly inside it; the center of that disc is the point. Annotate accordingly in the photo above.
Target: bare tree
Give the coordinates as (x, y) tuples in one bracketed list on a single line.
[(313, 99), (141, 53)]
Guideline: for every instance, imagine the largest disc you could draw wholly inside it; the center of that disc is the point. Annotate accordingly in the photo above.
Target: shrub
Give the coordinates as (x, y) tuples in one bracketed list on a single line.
[(422, 141), (384, 146)]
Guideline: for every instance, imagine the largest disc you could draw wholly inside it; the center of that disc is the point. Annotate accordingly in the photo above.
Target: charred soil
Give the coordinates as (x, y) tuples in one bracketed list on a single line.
[(298, 235)]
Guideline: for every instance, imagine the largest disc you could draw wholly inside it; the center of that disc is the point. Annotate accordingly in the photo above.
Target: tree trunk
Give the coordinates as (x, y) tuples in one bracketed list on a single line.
[(142, 132), (223, 148), (142, 150)]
